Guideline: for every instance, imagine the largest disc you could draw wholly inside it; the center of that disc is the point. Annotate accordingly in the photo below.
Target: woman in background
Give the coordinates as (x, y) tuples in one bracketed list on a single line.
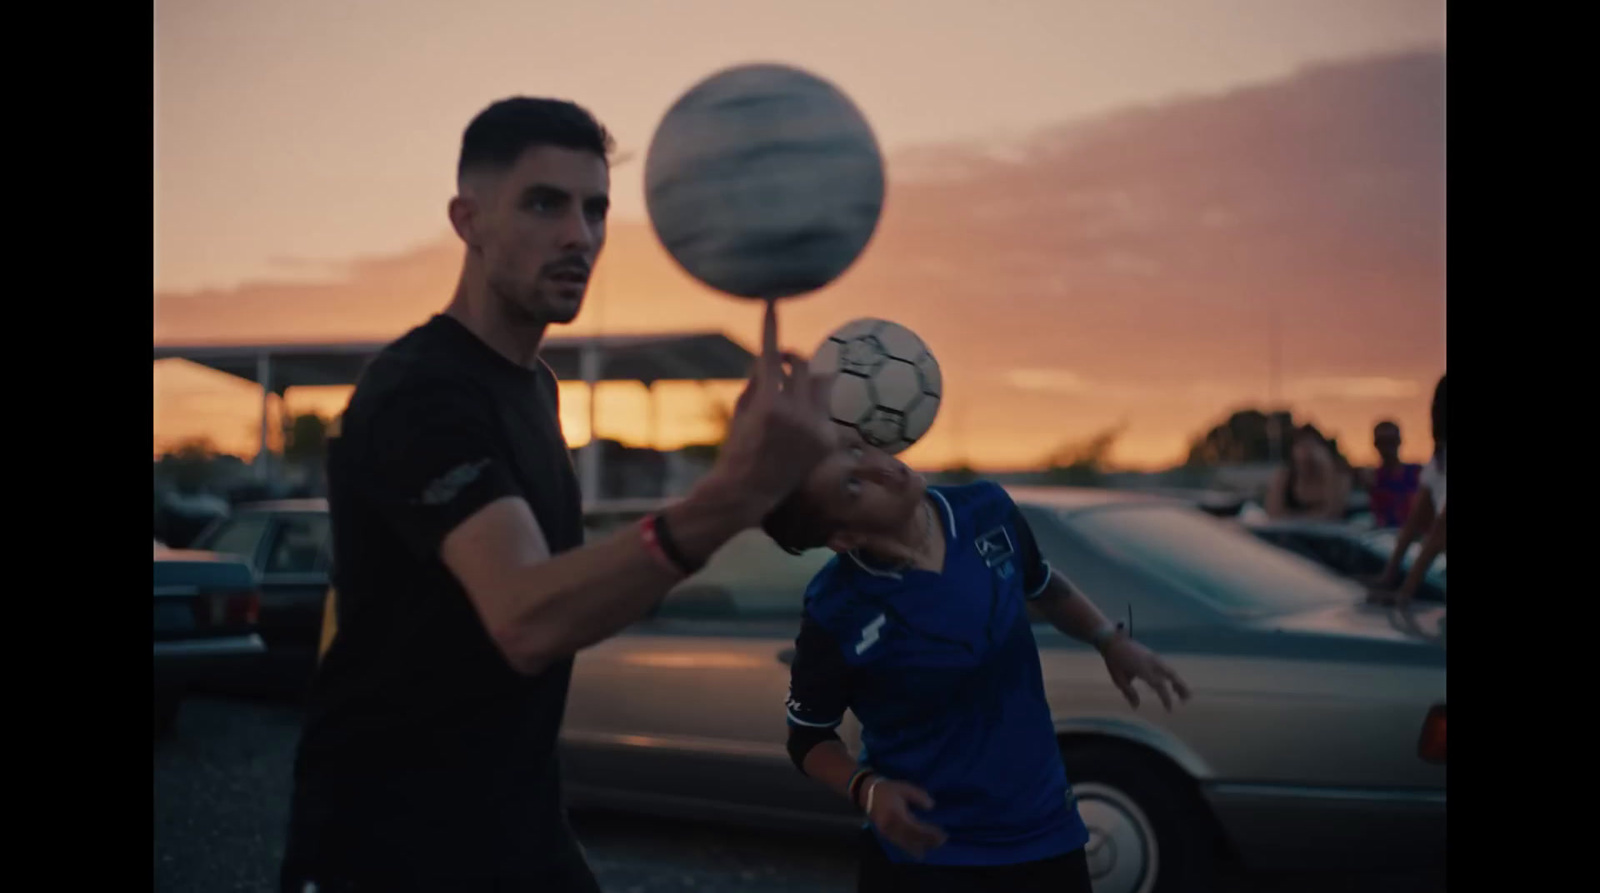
[(1313, 484)]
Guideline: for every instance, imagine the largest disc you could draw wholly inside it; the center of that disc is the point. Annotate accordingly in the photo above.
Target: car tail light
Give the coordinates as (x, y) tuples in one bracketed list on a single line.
[(1431, 746), (232, 609)]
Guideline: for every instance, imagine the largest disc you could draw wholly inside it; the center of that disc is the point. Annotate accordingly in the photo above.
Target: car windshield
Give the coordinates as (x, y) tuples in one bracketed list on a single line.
[(1214, 560)]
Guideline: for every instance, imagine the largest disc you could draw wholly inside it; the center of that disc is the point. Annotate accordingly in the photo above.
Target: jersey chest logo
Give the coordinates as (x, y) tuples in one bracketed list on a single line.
[(996, 550)]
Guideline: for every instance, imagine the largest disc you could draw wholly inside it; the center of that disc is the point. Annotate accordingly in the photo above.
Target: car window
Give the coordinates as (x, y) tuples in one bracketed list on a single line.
[(239, 535), (1148, 603), (299, 546), (750, 578), (1215, 561)]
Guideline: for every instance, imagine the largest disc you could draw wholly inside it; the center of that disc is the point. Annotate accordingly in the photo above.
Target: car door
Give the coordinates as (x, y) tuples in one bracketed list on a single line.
[(688, 706), (294, 582)]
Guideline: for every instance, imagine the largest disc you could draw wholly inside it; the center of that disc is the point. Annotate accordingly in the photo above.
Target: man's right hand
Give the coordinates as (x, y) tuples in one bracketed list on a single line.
[(780, 429), (891, 814)]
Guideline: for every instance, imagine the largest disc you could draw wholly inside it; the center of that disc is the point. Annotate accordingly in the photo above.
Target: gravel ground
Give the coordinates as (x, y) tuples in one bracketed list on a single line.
[(221, 800)]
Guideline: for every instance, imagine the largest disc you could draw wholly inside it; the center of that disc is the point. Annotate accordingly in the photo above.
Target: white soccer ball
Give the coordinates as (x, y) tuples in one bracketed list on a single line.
[(887, 385)]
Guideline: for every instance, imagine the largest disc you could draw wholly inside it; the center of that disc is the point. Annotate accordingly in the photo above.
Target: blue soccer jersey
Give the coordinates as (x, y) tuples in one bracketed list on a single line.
[(943, 673)]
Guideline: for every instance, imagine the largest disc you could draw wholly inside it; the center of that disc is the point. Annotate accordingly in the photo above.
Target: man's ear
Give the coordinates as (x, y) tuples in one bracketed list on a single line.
[(464, 218)]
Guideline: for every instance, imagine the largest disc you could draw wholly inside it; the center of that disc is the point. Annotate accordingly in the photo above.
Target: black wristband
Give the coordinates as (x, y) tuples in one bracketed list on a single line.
[(670, 546)]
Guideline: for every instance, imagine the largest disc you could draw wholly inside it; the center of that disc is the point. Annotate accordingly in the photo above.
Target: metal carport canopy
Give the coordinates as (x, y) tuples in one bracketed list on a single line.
[(694, 356), (278, 367)]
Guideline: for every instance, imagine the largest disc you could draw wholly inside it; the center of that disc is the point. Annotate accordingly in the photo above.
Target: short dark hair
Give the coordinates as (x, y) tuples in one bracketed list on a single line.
[(796, 525), (1386, 423), (499, 135)]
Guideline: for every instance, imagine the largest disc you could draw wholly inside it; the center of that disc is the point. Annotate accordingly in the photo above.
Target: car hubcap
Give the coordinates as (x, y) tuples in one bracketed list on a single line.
[(1122, 851)]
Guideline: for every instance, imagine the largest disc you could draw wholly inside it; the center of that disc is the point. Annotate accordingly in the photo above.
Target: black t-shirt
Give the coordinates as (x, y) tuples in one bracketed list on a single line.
[(424, 754)]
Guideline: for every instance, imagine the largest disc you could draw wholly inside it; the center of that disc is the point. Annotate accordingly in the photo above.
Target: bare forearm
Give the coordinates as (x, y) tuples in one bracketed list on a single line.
[(1432, 548), (578, 598), (1069, 610), (1420, 519), (829, 763)]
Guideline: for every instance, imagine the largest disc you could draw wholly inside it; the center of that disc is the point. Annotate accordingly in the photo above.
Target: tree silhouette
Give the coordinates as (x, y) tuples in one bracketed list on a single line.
[(1248, 436), (306, 441), (188, 464), (1083, 463)]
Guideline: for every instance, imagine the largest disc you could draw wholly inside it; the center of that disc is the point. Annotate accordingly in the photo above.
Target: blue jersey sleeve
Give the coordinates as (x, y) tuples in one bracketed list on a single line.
[(819, 679), (1035, 569)]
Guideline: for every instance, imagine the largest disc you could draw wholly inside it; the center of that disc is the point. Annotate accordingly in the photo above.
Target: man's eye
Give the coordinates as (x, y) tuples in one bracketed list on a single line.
[(852, 486)]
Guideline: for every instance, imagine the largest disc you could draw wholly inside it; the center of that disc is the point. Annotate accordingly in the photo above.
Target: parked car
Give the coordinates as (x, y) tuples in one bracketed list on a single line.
[(1350, 550), (205, 624), (287, 542), (1316, 738)]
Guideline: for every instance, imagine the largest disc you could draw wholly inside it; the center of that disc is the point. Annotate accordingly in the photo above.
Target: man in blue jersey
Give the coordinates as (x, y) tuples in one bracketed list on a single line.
[(920, 627)]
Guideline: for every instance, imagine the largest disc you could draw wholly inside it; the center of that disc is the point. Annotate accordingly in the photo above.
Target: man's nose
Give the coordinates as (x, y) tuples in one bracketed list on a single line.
[(578, 233)]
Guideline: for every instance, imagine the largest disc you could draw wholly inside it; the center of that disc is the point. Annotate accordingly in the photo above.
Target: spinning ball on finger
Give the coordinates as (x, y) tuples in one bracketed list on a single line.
[(764, 182)]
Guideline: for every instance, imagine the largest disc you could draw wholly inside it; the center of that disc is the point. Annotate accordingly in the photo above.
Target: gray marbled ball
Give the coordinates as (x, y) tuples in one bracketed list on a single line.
[(764, 181)]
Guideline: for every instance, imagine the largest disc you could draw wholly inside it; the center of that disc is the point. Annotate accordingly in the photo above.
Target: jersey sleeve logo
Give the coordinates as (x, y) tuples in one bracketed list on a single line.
[(450, 484)]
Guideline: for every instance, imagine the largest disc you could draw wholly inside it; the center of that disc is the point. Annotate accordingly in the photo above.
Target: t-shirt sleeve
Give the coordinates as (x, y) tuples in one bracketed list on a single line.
[(435, 459), (819, 679), (1035, 569)]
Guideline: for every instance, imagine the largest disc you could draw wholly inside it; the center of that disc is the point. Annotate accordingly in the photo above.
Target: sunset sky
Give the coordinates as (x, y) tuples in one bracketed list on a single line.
[(1095, 209)]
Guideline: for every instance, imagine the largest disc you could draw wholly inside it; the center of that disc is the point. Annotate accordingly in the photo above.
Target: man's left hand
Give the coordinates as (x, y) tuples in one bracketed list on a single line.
[(1127, 660)]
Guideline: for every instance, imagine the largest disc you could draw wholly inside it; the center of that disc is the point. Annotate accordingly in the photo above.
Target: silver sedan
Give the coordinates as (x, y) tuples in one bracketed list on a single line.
[(1316, 736)]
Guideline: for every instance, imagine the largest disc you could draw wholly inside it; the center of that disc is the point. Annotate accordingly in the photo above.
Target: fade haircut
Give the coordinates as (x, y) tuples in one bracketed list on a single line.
[(499, 135)]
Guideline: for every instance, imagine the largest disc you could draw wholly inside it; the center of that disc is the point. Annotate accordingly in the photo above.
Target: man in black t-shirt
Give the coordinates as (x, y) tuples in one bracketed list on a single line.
[(428, 758)]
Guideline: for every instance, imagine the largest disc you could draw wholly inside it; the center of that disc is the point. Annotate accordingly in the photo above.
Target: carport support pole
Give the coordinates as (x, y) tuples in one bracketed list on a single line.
[(650, 405), (589, 455), (264, 376)]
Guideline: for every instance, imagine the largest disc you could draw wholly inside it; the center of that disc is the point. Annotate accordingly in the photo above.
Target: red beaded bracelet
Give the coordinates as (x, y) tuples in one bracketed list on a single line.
[(652, 544)]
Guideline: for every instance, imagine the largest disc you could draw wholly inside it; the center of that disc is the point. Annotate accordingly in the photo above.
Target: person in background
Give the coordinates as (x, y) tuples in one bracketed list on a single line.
[(1426, 520), (1313, 483), (1391, 486)]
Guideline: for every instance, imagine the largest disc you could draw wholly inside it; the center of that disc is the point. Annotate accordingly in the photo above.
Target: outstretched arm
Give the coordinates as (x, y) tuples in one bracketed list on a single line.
[(819, 694), (1417, 522), (1068, 609), (441, 479)]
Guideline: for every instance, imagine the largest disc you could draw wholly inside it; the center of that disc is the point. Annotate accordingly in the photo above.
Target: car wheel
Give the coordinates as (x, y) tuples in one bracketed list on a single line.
[(166, 712), (1148, 830)]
